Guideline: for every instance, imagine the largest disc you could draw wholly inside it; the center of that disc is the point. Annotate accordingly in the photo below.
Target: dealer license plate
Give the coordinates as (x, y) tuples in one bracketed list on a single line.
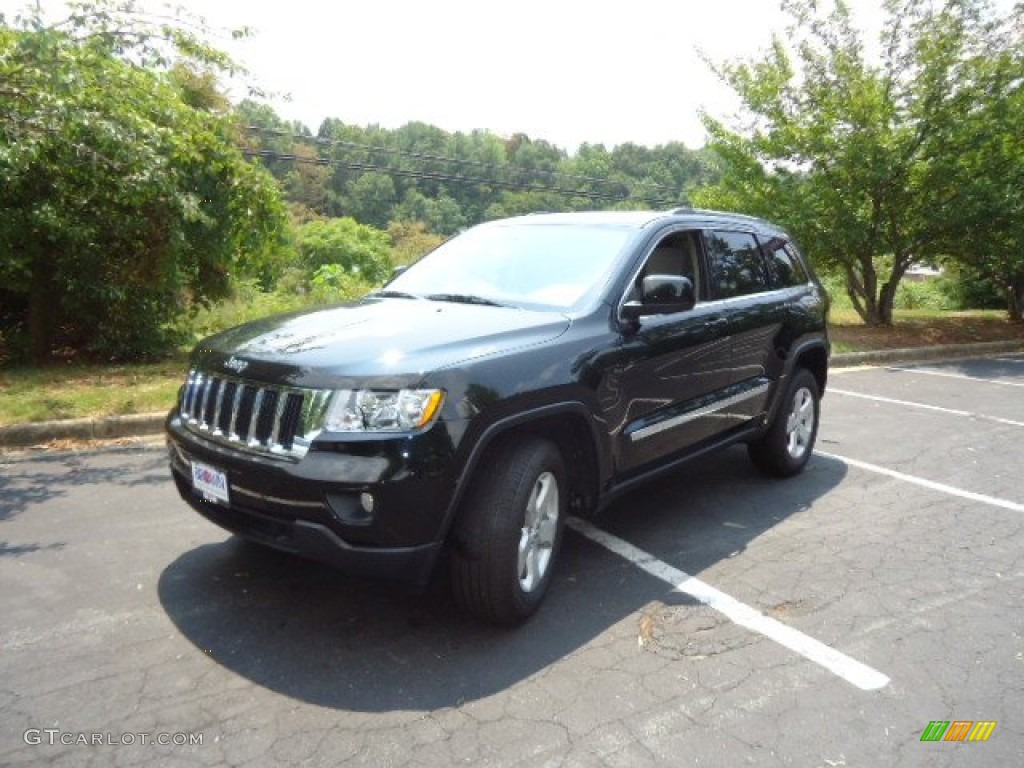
[(210, 482)]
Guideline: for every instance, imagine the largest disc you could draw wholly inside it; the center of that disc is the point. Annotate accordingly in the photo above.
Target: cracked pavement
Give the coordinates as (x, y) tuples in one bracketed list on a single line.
[(126, 613)]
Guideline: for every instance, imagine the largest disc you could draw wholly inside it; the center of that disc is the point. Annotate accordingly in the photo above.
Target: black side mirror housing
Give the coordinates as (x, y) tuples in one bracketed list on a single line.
[(661, 295)]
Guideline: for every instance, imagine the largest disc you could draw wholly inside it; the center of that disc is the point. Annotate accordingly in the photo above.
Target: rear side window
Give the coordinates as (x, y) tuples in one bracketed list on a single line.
[(784, 265), (737, 267)]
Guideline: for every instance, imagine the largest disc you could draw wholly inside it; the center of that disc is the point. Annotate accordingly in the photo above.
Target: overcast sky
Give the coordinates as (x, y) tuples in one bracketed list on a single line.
[(562, 70)]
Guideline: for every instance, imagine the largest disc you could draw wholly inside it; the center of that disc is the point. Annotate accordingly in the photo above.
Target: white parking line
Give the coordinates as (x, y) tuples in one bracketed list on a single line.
[(948, 375), (926, 406), (850, 670), (931, 484)]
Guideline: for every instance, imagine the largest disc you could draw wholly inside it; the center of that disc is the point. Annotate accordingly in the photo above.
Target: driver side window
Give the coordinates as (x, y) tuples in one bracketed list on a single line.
[(675, 255)]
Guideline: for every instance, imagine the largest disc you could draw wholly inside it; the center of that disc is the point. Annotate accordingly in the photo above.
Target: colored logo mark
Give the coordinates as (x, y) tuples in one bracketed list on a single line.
[(958, 730)]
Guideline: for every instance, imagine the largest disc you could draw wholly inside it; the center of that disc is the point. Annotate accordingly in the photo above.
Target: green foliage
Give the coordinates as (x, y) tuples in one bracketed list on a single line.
[(985, 170), (869, 164), (124, 192), (442, 215), (410, 240), (371, 198), (357, 248), (333, 282), (74, 391), (245, 301), (453, 180), (969, 286), (923, 294)]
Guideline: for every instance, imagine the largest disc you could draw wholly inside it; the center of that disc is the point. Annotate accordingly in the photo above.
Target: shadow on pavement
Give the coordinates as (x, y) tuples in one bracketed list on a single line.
[(26, 481), (309, 632)]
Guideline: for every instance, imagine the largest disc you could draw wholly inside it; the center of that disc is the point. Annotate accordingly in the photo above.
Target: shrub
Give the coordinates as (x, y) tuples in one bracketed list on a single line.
[(359, 249), (921, 294)]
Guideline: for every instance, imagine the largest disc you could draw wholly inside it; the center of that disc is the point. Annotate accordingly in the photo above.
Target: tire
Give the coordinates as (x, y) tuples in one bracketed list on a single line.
[(509, 531), (783, 451)]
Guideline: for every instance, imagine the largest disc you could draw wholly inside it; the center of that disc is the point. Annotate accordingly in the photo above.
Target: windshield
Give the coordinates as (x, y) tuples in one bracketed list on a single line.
[(544, 266)]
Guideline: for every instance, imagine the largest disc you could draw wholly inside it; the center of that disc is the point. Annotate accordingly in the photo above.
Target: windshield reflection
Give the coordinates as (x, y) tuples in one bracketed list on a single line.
[(536, 266)]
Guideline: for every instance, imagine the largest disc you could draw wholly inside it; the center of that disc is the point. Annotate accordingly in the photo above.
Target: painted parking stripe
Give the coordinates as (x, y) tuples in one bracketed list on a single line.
[(926, 406), (948, 375), (924, 483), (850, 670)]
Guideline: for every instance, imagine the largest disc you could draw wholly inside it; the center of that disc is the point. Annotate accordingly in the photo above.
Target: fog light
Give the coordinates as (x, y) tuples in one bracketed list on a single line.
[(366, 499)]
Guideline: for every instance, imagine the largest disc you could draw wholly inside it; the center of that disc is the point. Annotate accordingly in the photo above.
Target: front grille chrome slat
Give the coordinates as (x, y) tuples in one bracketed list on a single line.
[(188, 399), (218, 407), (257, 404), (213, 387), (269, 420), (236, 402), (275, 433)]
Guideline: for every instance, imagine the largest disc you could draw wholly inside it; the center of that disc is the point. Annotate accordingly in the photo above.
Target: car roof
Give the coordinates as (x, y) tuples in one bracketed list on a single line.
[(642, 219)]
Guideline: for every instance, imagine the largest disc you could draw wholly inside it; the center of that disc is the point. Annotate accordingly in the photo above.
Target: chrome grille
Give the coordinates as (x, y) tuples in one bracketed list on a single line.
[(276, 421)]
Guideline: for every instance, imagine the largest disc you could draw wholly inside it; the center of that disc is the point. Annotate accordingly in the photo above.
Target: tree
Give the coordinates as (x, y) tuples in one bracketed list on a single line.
[(410, 240), (853, 154), (419, 172), (990, 159), (371, 199), (356, 248), (124, 192)]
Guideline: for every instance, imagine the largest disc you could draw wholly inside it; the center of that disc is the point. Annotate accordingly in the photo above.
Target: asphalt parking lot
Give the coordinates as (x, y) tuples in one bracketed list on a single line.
[(714, 618)]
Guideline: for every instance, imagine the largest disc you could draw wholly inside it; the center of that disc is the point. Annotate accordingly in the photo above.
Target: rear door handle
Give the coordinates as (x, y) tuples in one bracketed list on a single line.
[(718, 324)]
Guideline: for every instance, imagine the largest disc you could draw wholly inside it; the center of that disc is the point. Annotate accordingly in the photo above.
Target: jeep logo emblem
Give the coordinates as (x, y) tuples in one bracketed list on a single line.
[(235, 364)]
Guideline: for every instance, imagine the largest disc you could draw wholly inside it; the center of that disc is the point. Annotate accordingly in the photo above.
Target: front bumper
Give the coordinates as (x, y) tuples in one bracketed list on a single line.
[(312, 507)]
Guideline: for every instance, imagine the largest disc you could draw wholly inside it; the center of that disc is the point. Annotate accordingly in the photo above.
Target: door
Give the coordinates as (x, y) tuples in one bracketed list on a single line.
[(742, 284), (668, 371)]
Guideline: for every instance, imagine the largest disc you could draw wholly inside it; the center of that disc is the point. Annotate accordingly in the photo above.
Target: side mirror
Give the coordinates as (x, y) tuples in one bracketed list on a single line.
[(661, 295)]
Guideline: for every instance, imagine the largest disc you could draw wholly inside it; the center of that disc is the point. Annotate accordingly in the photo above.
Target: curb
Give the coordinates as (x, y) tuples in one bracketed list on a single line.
[(144, 424), (103, 428), (922, 354)]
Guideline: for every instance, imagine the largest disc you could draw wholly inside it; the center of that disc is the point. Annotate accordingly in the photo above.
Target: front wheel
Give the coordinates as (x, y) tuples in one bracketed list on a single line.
[(509, 531), (785, 448)]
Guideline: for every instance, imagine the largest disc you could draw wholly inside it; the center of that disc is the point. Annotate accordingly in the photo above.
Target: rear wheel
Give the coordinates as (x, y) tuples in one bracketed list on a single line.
[(509, 531), (785, 448)]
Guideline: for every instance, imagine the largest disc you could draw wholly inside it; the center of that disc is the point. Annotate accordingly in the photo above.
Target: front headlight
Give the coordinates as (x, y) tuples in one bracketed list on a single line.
[(367, 410)]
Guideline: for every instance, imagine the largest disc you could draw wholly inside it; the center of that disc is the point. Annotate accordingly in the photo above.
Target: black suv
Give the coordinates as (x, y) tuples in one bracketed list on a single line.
[(525, 370)]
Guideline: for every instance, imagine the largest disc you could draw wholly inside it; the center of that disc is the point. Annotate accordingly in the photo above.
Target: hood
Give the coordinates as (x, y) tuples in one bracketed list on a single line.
[(381, 339)]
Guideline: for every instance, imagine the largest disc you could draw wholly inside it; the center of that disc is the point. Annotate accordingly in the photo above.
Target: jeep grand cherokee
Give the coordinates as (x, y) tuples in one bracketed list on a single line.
[(525, 370)]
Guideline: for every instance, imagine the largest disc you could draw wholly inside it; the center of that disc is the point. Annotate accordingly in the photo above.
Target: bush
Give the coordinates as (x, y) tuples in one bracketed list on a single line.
[(246, 302), (333, 282), (330, 284), (922, 294), (359, 249), (124, 189), (835, 287), (968, 288)]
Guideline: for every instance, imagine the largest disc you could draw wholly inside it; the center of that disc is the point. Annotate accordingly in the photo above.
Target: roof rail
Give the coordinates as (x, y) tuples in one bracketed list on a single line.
[(682, 209)]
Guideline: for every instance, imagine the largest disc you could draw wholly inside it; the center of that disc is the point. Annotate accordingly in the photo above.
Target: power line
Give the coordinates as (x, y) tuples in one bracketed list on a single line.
[(450, 178), (265, 154), (622, 190), (372, 148)]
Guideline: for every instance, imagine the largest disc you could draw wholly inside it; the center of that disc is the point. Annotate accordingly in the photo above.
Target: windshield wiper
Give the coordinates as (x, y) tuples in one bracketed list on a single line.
[(392, 295), (466, 298)]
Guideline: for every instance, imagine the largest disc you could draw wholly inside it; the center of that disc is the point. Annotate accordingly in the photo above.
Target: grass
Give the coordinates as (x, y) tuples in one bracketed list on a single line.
[(921, 328), (34, 394), (41, 394), (29, 394)]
